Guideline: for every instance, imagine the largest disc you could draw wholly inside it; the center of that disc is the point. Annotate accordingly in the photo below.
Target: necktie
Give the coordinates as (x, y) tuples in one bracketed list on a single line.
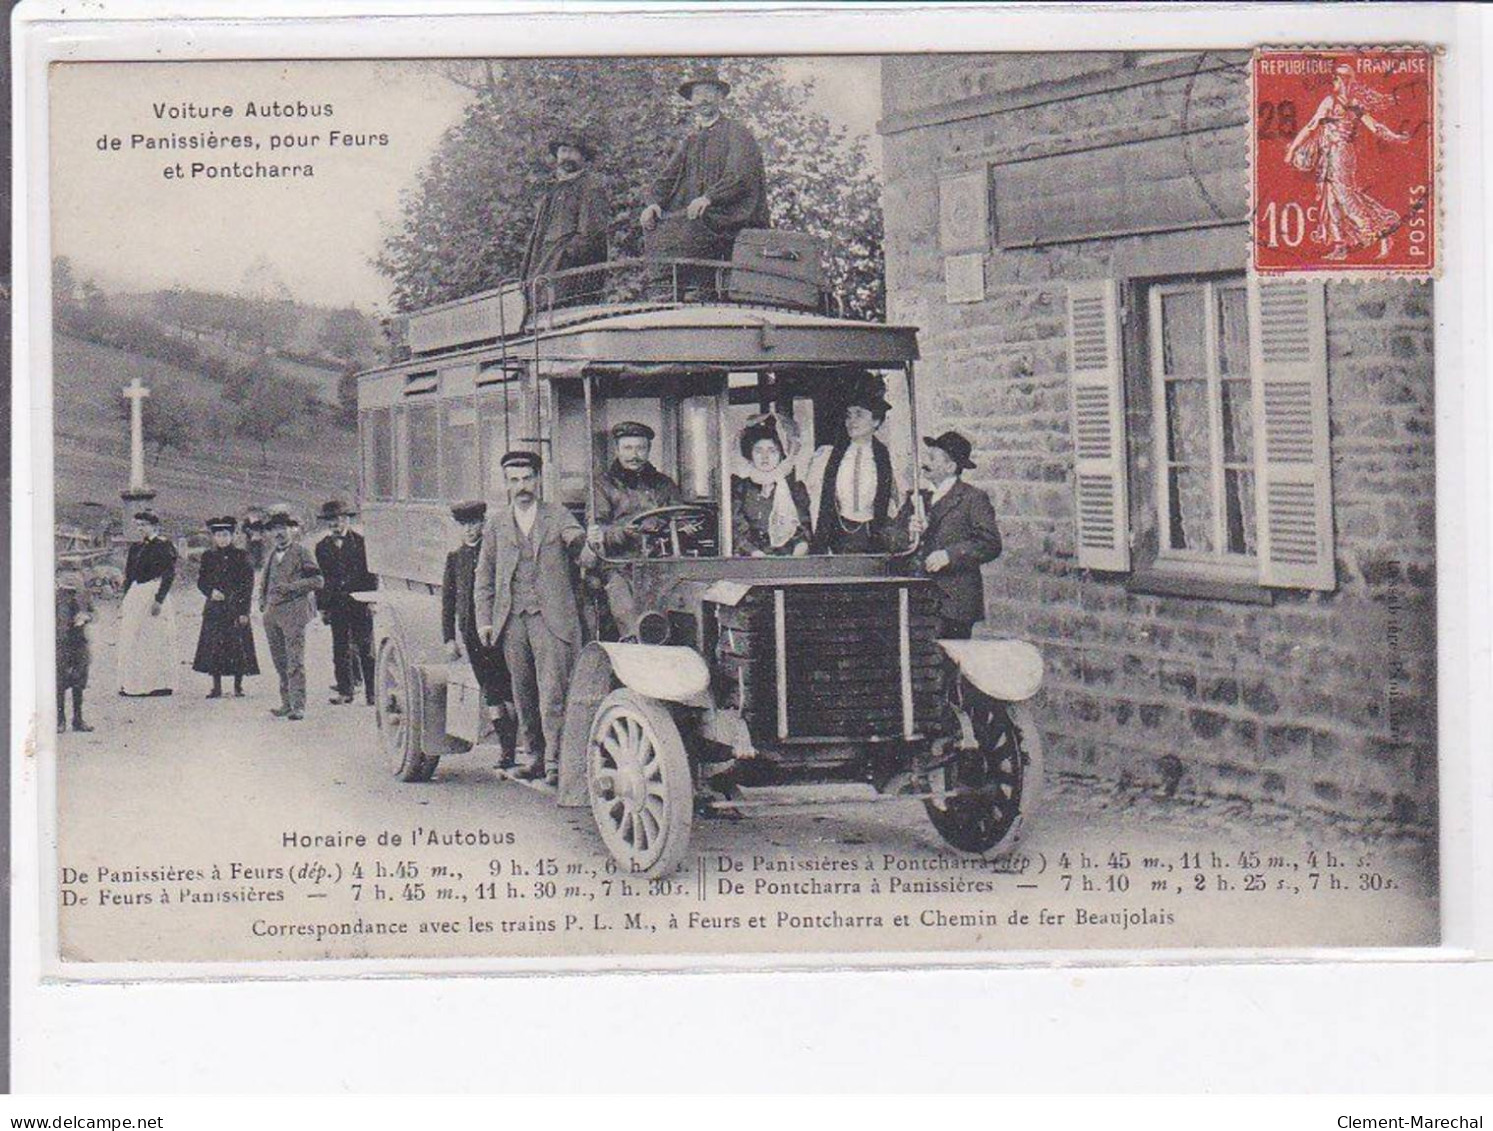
[(857, 478)]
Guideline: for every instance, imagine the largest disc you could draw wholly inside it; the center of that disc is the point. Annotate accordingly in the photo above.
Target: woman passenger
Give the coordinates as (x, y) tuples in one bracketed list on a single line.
[(769, 505)]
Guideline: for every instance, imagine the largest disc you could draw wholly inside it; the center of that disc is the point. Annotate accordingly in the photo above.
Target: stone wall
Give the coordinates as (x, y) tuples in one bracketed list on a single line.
[(1322, 700)]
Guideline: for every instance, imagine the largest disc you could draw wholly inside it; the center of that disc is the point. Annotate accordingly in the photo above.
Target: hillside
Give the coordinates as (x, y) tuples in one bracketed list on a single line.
[(316, 462)]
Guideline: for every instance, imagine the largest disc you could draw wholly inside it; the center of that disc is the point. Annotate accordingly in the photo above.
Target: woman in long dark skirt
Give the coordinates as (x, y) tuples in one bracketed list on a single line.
[(226, 643)]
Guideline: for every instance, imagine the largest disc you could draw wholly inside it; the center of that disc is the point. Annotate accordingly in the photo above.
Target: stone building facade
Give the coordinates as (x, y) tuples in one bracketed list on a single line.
[(1217, 495)]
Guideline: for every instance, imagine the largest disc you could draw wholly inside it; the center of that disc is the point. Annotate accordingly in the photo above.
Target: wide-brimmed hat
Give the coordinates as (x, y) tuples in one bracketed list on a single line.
[(149, 516), (225, 522), (335, 508), (870, 400), (770, 426), (575, 141), (706, 76), (957, 447), (472, 510)]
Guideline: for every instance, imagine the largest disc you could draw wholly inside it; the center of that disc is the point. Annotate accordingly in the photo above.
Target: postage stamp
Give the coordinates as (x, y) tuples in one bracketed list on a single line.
[(1344, 169)]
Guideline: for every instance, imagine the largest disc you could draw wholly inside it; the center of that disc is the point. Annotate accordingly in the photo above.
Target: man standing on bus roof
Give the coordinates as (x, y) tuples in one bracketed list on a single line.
[(343, 557), (570, 228), (525, 602), (715, 178), (630, 486)]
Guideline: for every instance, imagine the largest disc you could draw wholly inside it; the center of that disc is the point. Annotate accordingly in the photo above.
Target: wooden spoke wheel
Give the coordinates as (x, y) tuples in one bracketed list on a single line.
[(397, 733), (990, 787), (638, 779)]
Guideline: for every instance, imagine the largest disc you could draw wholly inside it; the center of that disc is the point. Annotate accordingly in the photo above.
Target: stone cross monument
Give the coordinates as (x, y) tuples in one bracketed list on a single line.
[(137, 494)]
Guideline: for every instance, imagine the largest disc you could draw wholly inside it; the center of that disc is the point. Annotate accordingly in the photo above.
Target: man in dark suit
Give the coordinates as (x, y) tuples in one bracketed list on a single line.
[(959, 534), (525, 603), (570, 228), (459, 613), (343, 558)]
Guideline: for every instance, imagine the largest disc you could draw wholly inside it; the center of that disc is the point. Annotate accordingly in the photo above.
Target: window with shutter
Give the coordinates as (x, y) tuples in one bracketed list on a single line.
[(1288, 353), (1098, 420)]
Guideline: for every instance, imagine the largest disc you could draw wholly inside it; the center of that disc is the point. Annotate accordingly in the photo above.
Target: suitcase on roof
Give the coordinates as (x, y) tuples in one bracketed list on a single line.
[(777, 268)]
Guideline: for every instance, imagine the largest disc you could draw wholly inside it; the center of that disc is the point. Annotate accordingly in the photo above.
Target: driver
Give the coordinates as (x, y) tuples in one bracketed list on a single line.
[(629, 487)]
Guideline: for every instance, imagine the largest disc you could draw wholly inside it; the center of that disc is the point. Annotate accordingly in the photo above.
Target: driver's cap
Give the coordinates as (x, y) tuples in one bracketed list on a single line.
[(530, 460), (631, 428)]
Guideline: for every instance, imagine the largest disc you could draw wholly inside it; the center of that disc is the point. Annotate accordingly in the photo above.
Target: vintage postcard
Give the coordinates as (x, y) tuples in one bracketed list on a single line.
[(639, 510)]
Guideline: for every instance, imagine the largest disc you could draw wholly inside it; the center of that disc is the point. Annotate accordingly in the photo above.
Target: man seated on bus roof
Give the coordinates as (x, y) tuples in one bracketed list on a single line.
[(630, 486)]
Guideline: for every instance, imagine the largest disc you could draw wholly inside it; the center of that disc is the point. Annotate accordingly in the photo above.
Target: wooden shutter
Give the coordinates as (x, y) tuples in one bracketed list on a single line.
[(1095, 366), (1293, 461)]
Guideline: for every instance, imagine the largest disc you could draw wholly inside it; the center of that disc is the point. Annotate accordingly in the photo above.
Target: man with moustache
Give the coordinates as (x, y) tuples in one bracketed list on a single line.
[(713, 185), (570, 228), (958, 534), (291, 575), (525, 603), (629, 487)]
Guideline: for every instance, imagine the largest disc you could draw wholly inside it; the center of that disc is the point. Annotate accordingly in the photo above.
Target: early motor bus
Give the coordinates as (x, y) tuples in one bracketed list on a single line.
[(749, 675)]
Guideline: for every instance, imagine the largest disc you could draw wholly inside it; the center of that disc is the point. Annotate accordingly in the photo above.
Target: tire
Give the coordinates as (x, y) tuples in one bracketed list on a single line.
[(997, 784), (398, 735), (639, 784)]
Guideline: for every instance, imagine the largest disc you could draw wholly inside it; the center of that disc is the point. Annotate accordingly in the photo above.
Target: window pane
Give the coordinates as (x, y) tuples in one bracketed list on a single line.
[(1191, 520), (1239, 502), (699, 448), (421, 432), (459, 450), (1238, 422), (1233, 332), (1187, 422), (1182, 334), (381, 438), (496, 429)]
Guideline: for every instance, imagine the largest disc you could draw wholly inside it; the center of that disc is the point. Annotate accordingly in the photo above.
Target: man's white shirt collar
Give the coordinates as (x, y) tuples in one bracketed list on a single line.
[(943, 488)]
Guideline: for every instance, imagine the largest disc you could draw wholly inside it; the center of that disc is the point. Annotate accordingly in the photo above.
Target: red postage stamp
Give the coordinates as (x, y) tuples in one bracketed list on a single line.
[(1344, 161)]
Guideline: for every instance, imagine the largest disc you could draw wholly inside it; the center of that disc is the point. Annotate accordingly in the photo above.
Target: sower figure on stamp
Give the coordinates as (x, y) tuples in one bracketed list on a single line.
[(459, 621), (570, 228), (526, 602), (225, 646), (291, 575), (74, 613), (712, 187), (343, 558), (630, 486), (958, 532), (147, 615)]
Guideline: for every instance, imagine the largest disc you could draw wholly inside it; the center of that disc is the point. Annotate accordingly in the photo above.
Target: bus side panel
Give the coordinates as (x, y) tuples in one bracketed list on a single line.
[(409, 541)]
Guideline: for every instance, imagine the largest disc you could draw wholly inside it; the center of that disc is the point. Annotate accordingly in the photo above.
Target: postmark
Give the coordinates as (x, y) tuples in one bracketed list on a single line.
[(1344, 162)]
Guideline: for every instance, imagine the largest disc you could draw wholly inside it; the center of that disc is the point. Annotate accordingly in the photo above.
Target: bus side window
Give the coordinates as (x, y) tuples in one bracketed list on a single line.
[(459, 464), (500, 421), (378, 453)]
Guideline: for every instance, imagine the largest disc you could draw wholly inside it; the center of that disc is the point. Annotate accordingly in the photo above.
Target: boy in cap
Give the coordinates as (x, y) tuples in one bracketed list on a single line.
[(342, 556), (525, 603), (959, 534), (570, 228), (630, 486), (74, 613), (459, 613), (225, 645), (147, 616), (291, 575)]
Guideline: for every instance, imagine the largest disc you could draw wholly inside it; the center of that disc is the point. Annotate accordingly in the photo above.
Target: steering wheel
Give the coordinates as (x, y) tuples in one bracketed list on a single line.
[(670, 532)]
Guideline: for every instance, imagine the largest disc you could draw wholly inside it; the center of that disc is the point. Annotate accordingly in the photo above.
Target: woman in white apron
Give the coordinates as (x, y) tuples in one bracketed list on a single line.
[(147, 616)]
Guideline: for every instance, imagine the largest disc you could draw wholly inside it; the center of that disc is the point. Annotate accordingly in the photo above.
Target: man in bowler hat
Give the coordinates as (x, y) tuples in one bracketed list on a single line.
[(525, 603), (959, 534), (343, 557), (291, 575)]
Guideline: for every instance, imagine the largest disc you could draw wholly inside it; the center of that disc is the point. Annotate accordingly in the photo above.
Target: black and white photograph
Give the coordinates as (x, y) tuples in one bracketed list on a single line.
[(640, 508)]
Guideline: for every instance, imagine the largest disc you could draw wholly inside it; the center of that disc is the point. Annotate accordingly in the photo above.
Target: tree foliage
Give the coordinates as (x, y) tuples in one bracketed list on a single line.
[(464, 226), (169, 417), (272, 404)]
